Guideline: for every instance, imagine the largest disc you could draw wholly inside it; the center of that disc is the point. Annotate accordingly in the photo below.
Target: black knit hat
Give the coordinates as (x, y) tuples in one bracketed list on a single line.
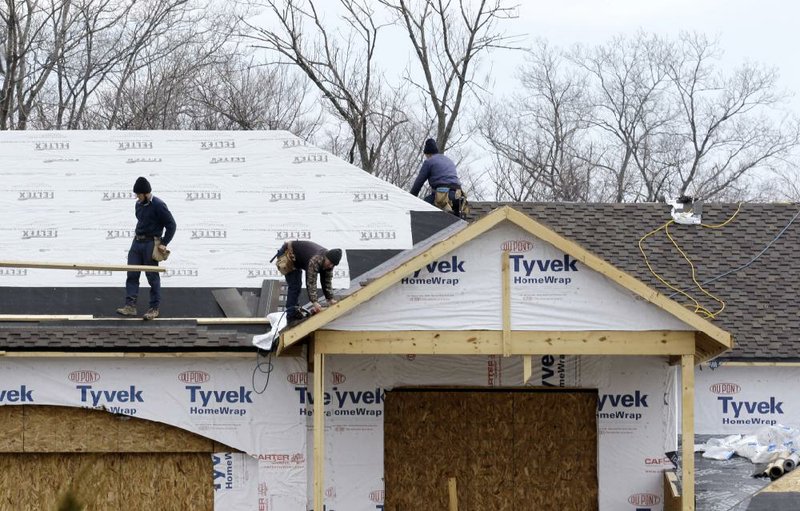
[(334, 255), (430, 147), (142, 185)]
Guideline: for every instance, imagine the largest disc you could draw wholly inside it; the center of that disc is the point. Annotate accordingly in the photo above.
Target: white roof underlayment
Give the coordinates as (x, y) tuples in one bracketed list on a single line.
[(66, 196)]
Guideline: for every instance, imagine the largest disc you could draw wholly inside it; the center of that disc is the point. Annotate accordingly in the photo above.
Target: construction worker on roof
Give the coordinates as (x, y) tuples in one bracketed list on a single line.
[(155, 228), (441, 174), (294, 257)]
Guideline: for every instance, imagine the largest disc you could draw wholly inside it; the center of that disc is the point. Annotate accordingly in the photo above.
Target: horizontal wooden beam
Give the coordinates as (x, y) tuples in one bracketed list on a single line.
[(44, 317), (126, 354), (80, 266), (490, 342), (88, 317), (232, 321)]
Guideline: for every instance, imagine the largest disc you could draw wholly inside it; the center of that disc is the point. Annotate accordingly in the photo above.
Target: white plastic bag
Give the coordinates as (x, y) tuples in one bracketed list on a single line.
[(269, 341)]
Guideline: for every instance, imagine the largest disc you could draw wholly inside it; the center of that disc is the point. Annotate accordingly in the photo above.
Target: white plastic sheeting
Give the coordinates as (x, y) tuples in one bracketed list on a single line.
[(634, 422), (738, 400), (550, 290), (274, 428), (236, 196)]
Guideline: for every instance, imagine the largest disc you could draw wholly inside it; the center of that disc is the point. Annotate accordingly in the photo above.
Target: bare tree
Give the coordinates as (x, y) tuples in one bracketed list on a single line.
[(449, 39), (728, 126), (342, 66), (538, 137), (661, 120)]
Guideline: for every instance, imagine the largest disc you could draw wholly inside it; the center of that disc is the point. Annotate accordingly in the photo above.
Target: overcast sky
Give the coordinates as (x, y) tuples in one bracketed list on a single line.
[(766, 31)]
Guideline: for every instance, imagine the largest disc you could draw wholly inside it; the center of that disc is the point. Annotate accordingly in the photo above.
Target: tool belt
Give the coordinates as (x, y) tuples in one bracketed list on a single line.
[(457, 205), (285, 256)]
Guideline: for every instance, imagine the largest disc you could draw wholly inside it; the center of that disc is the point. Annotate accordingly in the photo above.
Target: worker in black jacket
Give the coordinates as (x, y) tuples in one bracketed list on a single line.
[(315, 260), (155, 228)]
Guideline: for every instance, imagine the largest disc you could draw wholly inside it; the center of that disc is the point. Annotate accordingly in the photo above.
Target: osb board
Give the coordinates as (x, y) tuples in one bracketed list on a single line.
[(45, 429), (11, 428), (508, 450), (787, 483), (107, 482)]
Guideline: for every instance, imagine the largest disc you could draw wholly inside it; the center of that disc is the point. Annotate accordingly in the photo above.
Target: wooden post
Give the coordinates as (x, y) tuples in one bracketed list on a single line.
[(452, 490), (319, 431), (527, 369), (687, 431), (506, 306)]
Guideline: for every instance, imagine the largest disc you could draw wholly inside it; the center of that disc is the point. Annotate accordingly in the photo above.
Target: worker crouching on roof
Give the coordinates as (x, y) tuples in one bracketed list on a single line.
[(441, 174), (294, 257)]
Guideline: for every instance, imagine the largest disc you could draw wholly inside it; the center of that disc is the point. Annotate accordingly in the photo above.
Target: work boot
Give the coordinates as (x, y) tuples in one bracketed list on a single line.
[(152, 313), (128, 310)]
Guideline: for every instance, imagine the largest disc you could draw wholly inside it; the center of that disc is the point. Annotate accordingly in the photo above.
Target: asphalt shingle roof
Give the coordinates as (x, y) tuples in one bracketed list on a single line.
[(760, 299), (124, 336)]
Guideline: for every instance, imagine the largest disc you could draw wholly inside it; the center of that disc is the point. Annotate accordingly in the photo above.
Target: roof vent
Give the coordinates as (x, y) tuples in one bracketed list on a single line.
[(687, 210)]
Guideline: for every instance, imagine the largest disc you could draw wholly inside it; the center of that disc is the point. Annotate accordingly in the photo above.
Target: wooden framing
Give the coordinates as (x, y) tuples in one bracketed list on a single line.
[(714, 339), (319, 430), (27, 318), (80, 266), (126, 354), (701, 342), (491, 342), (687, 432), (506, 308)]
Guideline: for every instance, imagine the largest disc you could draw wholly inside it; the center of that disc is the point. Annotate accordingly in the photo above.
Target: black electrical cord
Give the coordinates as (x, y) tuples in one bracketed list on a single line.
[(751, 261), (259, 368)]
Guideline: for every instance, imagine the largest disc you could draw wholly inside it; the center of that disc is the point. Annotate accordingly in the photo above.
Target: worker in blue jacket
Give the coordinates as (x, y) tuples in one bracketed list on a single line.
[(440, 173), (155, 228)]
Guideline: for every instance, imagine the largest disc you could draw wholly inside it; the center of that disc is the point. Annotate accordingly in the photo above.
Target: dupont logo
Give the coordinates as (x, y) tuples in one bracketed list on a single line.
[(517, 246), (298, 378), (194, 377), (644, 499), (83, 376), (725, 389), (337, 378), (377, 496)]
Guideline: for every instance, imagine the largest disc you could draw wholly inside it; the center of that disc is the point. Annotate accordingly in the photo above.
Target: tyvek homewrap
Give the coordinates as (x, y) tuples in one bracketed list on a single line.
[(550, 291), (635, 424)]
